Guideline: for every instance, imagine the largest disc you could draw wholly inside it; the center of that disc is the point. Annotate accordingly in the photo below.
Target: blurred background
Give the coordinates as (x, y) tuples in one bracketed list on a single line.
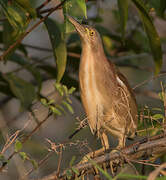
[(35, 64)]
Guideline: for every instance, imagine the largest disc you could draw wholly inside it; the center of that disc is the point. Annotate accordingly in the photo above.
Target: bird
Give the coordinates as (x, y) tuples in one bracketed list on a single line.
[(108, 99)]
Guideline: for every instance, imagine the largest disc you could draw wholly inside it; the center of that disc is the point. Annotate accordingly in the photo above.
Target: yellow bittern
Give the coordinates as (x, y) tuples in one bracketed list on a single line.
[(107, 98)]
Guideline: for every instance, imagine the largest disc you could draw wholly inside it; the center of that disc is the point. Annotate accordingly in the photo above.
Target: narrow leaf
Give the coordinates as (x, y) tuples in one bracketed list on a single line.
[(58, 46), (34, 163), (25, 64), (22, 89), (76, 9), (68, 106), (23, 156), (17, 146), (123, 11), (26, 4), (158, 116), (16, 15), (152, 34), (55, 110)]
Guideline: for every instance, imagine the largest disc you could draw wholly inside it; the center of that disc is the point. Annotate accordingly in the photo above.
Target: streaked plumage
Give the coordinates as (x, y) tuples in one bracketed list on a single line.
[(108, 100)]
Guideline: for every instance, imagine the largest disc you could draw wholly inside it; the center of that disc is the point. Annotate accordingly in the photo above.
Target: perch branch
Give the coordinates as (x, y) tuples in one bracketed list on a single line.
[(133, 152)]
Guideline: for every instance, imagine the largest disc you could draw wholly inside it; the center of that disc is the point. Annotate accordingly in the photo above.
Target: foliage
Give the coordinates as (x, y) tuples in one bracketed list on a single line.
[(57, 109), (18, 20), (17, 25)]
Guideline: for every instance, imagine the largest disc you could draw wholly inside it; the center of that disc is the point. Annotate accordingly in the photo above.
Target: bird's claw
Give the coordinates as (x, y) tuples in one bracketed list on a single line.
[(114, 164)]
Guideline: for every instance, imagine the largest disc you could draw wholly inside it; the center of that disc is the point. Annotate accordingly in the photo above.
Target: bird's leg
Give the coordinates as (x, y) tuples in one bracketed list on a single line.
[(115, 163), (122, 142), (105, 144)]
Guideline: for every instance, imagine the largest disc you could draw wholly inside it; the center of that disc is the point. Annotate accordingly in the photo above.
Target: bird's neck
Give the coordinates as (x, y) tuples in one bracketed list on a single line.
[(94, 64), (93, 53)]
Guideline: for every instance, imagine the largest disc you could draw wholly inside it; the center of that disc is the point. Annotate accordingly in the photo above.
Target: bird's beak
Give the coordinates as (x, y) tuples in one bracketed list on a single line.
[(79, 28)]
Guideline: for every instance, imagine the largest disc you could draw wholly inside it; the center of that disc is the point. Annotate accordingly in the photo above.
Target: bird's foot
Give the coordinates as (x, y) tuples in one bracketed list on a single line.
[(114, 164), (92, 155)]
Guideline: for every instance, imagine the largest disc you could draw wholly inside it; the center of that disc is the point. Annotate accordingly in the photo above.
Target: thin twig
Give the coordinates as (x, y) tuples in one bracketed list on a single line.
[(48, 10), (24, 140), (59, 160), (148, 80), (42, 5), (132, 152), (39, 164)]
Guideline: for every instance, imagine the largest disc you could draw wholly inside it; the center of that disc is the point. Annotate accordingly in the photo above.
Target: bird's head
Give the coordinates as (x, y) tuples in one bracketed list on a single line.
[(88, 34)]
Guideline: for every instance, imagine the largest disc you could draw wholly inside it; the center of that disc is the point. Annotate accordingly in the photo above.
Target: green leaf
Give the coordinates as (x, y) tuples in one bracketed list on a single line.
[(16, 15), (34, 163), (23, 156), (161, 95), (2, 158), (75, 170), (25, 64), (59, 88), (58, 46), (9, 37), (52, 101), (28, 7), (4, 86), (55, 110), (123, 11), (74, 8), (65, 89), (71, 90), (68, 100), (68, 106), (69, 173), (17, 146), (72, 161), (152, 34), (131, 176), (59, 107), (22, 89), (158, 116), (44, 102), (160, 6)]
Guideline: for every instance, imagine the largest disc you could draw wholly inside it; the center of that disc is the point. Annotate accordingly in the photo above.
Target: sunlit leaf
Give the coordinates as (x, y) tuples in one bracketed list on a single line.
[(74, 8), (44, 102), (24, 156), (71, 90), (26, 4), (68, 106), (159, 6), (158, 116), (58, 46), (123, 11), (34, 163), (17, 146), (55, 110), (152, 34), (16, 15), (59, 88)]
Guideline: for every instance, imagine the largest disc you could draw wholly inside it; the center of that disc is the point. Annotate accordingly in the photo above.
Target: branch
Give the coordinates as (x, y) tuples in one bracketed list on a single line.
[(133, 152)]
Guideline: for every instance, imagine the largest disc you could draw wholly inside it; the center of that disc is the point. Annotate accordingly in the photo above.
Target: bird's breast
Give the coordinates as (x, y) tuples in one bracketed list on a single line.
[(90, 93)]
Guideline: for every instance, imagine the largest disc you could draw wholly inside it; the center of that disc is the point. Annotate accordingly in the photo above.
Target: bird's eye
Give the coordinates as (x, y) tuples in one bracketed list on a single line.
[(92, 33)]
